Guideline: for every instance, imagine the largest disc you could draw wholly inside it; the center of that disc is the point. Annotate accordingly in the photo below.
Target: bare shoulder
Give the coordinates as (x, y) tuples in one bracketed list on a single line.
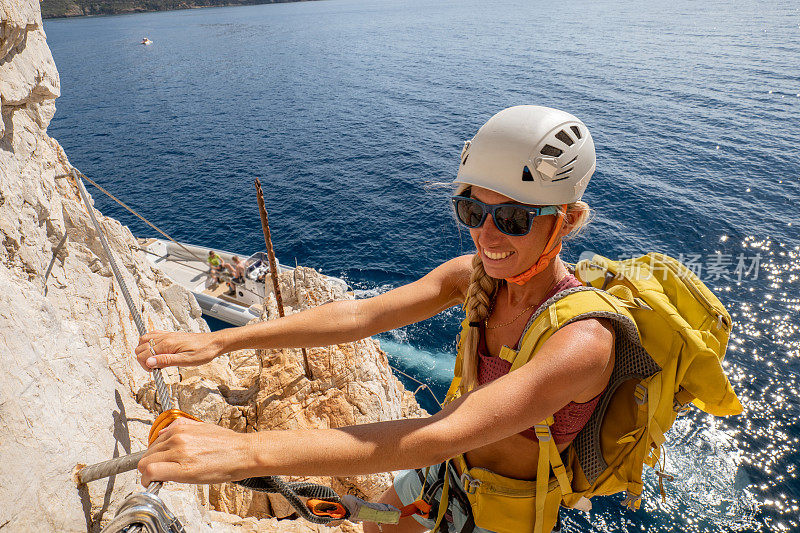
[(592, 340)]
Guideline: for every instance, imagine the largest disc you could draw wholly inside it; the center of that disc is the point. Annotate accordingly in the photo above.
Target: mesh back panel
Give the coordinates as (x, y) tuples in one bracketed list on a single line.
[(631, 361)]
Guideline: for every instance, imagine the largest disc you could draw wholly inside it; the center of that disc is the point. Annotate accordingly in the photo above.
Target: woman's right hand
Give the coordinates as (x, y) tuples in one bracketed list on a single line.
[(176, 349)]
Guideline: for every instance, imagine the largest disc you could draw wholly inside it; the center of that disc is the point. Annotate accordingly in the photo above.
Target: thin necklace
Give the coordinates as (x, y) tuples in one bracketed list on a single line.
[(486, 320)]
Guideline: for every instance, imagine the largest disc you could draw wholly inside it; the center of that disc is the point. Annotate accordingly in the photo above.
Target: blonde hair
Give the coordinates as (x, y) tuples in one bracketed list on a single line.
[(480, 295)]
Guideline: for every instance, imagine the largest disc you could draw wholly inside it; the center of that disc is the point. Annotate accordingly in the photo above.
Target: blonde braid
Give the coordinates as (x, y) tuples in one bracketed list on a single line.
[(477, 304)]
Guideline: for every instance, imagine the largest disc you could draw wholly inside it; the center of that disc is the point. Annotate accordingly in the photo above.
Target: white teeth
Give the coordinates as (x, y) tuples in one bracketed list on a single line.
[(496, 256)]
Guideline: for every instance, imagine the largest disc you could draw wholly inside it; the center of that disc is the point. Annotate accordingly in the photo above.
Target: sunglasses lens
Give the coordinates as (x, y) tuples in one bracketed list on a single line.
[(512, 220), (469, 213)]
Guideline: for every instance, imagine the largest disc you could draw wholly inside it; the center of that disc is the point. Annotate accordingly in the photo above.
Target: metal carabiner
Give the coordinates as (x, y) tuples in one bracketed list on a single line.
[(146, 510)]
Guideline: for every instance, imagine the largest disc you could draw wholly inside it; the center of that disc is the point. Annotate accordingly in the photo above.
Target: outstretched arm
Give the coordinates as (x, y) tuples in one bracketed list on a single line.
[(576, 359), (332, 323)]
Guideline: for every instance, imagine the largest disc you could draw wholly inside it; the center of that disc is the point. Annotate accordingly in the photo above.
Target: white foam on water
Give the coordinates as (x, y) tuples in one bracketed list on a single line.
[(435, 368), (375, 291)]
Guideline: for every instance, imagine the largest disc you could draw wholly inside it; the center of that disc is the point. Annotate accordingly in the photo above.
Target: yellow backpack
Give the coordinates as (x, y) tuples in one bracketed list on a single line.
[(671, 336)]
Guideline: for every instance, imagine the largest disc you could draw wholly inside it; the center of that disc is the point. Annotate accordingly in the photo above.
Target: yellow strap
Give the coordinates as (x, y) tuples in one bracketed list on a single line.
[(656, 433), (613, 301), (453, 390), (560, 471), (542, 474), (422, 490), (532, 336), (648, 403), (653, 390), (683, 397), (507, 354), (443, 500), (549, 321), (553, 317)]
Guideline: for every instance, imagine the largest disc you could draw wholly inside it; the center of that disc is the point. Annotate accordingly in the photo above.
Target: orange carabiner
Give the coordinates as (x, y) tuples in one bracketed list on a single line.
[(334, 510), (164, 419), (419, 507)]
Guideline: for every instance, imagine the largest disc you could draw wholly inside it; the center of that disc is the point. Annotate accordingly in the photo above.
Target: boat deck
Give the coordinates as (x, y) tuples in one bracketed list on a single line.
[(219, 292), (185, 272)]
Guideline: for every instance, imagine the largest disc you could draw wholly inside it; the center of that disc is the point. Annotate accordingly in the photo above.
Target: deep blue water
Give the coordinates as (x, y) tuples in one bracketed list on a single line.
[(348, 111)]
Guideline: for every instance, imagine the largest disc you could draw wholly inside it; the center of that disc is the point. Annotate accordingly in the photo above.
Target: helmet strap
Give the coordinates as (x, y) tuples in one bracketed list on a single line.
[(544, 259)]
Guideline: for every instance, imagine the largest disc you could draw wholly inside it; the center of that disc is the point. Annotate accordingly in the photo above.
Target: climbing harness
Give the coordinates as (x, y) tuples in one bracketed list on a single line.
[(451, 490)]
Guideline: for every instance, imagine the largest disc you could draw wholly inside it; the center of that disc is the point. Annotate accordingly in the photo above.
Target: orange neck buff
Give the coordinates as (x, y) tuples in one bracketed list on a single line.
[(546, 257)]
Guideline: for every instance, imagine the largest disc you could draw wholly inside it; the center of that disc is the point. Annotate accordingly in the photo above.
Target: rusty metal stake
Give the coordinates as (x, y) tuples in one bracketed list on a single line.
[(273, 266)]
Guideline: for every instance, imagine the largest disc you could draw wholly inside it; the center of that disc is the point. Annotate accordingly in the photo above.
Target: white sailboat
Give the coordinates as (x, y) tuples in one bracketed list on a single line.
[(185, 265)]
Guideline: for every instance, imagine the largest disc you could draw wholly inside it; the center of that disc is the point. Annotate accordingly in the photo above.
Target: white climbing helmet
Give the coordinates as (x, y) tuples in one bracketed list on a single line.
[(532, 154)]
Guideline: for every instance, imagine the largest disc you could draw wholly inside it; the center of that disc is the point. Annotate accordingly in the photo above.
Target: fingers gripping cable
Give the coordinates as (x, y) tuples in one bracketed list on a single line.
[(323, 505)]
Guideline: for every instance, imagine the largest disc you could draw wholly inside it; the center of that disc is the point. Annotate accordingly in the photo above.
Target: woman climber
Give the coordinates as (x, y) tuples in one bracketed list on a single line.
[(518, 191)]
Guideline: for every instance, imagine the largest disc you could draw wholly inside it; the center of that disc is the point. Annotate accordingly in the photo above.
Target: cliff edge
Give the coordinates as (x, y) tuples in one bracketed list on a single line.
[(70, 390)]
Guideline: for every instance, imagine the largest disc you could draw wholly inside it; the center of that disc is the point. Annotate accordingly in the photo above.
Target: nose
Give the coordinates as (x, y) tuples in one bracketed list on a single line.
[(487, 231)]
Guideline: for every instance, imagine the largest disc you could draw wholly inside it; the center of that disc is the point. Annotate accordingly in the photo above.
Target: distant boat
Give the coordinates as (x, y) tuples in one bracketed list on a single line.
[(182, 264), (146, 41)]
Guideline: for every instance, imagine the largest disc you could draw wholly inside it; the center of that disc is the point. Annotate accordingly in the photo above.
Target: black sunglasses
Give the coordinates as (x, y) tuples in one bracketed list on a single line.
[(512, 219)]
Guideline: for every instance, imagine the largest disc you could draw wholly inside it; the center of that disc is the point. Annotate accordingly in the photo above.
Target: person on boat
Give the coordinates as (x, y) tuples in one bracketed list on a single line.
[(216, 264), (236, 267), (518, 191)]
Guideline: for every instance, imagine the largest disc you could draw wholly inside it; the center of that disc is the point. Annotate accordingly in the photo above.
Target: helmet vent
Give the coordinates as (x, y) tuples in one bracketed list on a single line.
[(464, 161), (564, 138), (568, 164), (526, 174), (576, 130), (552, 151)]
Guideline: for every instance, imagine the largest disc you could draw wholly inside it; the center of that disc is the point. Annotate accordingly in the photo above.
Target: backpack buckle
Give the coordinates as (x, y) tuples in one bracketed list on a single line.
[(542, 432), (469, 483), (640, 394)]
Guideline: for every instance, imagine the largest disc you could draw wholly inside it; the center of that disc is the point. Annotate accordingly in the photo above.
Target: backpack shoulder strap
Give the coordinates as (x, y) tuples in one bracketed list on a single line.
[(563, 308)]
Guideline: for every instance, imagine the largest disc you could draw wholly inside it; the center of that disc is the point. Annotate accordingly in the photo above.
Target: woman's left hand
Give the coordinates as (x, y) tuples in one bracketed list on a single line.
[(196, 452)]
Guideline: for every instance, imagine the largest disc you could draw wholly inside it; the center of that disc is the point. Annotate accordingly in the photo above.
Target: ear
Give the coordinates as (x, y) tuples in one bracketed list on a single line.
[(569, 223)]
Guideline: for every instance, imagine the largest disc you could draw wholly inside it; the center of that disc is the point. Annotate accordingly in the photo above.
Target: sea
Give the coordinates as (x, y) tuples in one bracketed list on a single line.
[(353, 112)]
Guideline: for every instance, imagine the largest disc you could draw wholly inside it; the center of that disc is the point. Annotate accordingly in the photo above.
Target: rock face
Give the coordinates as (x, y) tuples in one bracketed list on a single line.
[(69, 386)]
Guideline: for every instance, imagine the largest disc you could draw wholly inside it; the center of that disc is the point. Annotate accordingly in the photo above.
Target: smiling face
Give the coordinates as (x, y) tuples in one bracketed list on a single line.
[(505, 256)]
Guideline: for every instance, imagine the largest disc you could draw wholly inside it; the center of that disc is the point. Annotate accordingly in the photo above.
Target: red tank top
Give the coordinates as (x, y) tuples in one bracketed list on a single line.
[(570, 419)]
